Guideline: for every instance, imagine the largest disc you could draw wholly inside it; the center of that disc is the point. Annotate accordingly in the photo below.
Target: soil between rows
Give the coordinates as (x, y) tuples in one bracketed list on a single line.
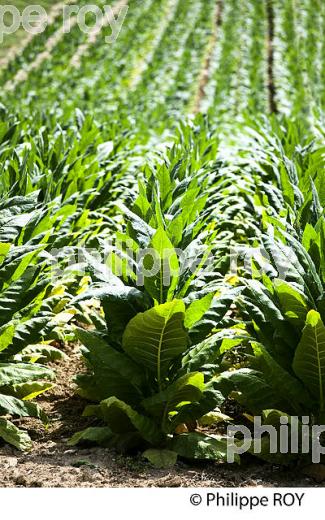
[(52, 463)]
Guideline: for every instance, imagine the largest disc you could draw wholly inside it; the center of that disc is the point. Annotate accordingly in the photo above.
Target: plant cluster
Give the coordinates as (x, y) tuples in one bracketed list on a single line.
[(209, 288)]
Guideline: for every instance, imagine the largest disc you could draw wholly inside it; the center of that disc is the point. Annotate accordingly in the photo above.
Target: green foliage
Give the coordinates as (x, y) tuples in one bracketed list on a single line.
[(161, 458), (156, 337), (309, 360), (171, 201), (147, 394)]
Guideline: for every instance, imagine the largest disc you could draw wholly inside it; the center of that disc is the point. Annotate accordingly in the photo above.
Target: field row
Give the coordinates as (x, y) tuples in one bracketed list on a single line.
[(227, 58), (152, 212)]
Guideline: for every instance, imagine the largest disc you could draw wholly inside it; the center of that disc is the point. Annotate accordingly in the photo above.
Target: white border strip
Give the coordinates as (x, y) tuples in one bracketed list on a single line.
[(149, 503)]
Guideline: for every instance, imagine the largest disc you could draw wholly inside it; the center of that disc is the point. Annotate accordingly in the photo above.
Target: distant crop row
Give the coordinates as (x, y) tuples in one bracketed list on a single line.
[(153, 69)]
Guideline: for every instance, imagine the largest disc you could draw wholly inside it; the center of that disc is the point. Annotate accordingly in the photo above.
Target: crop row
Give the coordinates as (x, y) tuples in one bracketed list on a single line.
[(186, 256)]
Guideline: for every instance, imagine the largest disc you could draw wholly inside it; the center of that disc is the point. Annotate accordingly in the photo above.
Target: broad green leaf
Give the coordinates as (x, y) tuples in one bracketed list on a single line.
[(269, 452), (208, 350), (293, 303), (97, 434), (287, 387), (120, 305), (28, 391), (309, 237), (156, 337), (249, 388), (12, 435), (16, 373), (200, 446), (121, 418), (263, 300), (286, 185), (238, 338), (12, 271), (6, 335), (14, 406), (309, 360), (185, 390), (161, 458), (138, 229), (196, 310), (16, 296), (214, 417), (161, 267), (28, 332), (190, 412), (114, 359), (213, 316), (113, 372), (4, 248), (42, 353)]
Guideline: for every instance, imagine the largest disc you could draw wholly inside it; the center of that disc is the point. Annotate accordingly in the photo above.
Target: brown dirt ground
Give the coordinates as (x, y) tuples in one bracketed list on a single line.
[(52, 463)]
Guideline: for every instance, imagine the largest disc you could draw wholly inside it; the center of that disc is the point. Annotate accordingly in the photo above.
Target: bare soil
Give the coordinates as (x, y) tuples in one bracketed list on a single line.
[(52, 463), (205, 72), (270, 58)]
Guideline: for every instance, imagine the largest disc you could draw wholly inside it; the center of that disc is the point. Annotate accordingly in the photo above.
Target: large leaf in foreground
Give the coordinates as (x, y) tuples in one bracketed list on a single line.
[(156, 337), (309, 360)]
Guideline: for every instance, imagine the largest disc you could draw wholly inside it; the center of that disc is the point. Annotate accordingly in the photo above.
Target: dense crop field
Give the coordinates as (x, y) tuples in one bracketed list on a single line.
[(162, 236)]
